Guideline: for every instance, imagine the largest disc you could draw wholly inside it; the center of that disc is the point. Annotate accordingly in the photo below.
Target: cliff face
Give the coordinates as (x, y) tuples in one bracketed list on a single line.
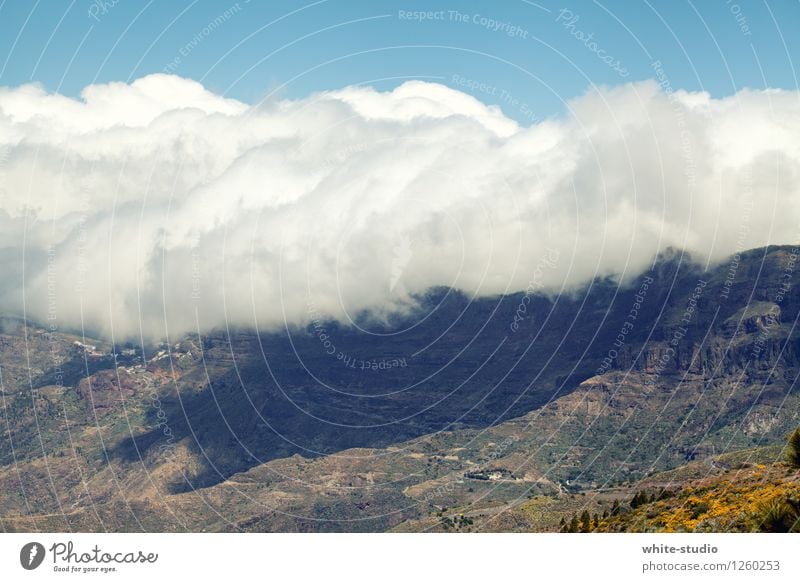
[(731, 321), (751, 346)]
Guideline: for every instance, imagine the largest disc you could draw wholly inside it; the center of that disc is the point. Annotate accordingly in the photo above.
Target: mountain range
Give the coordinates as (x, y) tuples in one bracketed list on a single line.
[(507, 413)]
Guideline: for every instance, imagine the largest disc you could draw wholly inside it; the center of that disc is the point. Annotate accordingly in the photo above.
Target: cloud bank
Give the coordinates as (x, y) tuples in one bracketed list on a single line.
[(157, 208)]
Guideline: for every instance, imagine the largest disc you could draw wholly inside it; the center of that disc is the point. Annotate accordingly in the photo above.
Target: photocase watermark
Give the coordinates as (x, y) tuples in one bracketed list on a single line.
[(202, 35), (52, 312), (337, 157), (84, 208), (690, 170), (347, 360), (67, 559), (569, 20), (162, 423), (4, 156), (402, 253), (772, 317), (99, 8), (738, 15), (51, 330), (741, 238), (31, 555), (422, 15), (476, 19), (627, 326), (167, 447), (510, 30), (536, 284), (503, 96), (372, 364), (95, 560), (786, 277), (195, 269)]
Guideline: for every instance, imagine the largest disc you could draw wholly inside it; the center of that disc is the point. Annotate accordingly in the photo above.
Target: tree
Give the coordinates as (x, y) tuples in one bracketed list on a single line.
[(615, 507), (586, 522), (793, 449), (664, 494), (573, 524), (639, 498)]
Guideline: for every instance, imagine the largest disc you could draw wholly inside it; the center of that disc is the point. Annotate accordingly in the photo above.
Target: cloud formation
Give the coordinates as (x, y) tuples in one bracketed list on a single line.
[(158, 207)]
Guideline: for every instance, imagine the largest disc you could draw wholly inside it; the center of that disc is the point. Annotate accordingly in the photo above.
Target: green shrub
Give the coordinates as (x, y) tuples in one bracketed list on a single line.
[(780, 516), (793, 449)]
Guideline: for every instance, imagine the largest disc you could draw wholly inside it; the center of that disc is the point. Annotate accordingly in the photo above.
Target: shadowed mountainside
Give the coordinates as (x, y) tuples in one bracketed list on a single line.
[(593, 388)]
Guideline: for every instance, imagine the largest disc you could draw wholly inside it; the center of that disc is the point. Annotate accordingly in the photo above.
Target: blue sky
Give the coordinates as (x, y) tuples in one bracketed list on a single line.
[(527, 57)]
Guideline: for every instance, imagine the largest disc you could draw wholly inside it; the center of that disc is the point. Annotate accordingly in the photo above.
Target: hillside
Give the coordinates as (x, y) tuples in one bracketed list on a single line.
[(268, 432), (746, 499)]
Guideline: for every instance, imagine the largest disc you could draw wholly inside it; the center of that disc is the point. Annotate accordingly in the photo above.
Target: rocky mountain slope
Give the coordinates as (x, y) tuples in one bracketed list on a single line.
[(590, 391)]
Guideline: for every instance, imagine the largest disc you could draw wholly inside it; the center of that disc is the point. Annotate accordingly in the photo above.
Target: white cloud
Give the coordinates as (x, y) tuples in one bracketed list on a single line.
[(142, 205)]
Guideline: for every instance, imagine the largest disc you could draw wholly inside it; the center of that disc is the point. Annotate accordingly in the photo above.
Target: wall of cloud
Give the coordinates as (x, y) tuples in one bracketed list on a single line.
[(158, 208)]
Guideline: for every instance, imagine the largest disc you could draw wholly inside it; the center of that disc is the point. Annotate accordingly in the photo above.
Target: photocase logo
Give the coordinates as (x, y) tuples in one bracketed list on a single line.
[(31, 555), (401, 256)]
